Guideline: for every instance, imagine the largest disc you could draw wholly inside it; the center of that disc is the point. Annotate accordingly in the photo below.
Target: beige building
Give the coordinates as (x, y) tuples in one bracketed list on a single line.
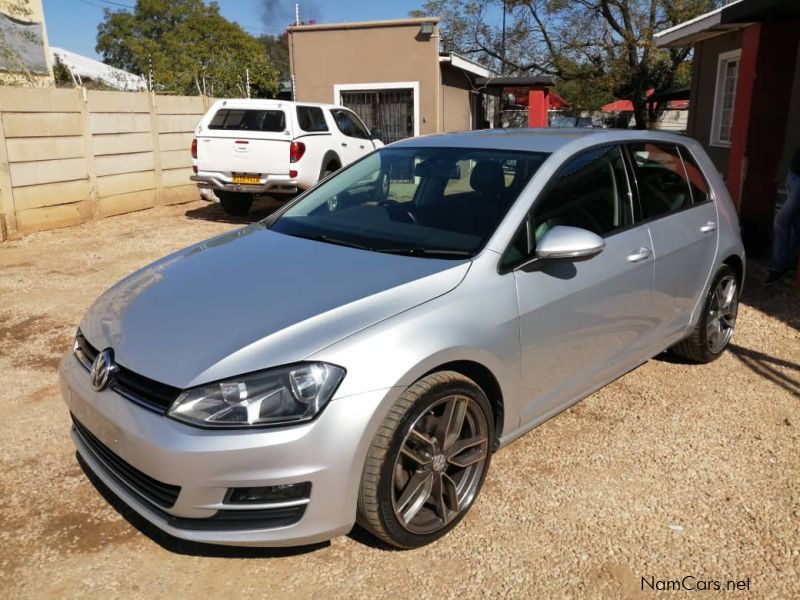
[(391, 73), (24, 51)]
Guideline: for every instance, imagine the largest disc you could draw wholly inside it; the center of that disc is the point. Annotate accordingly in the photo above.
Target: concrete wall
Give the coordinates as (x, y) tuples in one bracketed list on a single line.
[(701, 101), (359, 53), (455, 98), (71, 155)]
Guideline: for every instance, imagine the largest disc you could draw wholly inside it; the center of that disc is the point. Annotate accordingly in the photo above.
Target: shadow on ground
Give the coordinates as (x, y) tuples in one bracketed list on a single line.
[(781, 300), (178, 546), (769, 367), (262, 208)]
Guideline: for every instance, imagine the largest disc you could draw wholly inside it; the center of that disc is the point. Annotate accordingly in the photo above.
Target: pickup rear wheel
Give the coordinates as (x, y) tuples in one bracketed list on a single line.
[(235, 203)]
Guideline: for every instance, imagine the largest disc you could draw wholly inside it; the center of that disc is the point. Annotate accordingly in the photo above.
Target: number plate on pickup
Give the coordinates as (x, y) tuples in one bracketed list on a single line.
[(247, 179)]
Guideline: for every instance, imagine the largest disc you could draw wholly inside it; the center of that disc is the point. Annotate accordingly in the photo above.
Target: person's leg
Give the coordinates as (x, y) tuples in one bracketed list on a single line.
[(786, 231)]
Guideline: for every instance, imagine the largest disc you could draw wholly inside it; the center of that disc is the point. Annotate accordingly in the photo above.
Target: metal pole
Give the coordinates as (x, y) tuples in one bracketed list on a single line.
[(503, 53)]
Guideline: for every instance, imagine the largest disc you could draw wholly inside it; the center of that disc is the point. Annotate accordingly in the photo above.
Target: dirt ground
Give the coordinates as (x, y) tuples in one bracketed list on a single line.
[(674, 470)]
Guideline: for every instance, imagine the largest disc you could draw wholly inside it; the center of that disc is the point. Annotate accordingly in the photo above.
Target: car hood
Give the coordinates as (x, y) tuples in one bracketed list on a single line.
[(252, 299)]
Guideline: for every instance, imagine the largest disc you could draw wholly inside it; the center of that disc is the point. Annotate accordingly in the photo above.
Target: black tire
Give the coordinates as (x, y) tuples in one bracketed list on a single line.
[(699, 347), (234, 203), (383, 186), (417, 407), (330, 169)]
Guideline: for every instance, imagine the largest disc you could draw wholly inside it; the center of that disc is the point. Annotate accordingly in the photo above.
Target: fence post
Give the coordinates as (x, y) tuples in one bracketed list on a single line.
[(88, 151), (154, 130), (6, 191)]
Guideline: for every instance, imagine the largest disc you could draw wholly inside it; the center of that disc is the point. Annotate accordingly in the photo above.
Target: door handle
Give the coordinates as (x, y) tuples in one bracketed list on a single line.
[(344, 145), (362, 147), (709, 227), (640, 255)]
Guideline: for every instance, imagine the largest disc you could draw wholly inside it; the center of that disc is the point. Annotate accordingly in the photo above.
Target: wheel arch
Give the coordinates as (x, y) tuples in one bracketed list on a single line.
[(487, 381), (330, 157), (736, 263)]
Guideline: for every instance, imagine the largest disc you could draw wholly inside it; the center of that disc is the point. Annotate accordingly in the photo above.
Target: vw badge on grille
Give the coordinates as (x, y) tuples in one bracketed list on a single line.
[(103, 369)]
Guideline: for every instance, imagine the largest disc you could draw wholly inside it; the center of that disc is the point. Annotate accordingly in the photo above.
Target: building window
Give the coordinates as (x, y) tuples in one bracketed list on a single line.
[(725, 98)]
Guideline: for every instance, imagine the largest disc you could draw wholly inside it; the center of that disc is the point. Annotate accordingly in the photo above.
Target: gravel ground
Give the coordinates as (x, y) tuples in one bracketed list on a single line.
[(672, 470)]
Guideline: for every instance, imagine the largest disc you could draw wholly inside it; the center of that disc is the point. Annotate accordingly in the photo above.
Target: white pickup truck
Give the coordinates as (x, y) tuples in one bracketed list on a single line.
[(247, 147)]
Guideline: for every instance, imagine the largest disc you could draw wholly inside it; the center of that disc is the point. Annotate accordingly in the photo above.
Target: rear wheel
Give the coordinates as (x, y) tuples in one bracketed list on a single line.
[(715, 327), (427, 462), (330, 169), (235, 203)]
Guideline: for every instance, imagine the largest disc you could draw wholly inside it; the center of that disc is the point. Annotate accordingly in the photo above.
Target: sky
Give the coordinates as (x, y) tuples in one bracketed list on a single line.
[(72, 24)]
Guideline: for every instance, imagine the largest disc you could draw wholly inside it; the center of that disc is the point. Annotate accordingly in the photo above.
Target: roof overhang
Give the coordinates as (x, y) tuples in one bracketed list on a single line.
[(700, 28), (364, 24), (503, 82), (733, 16), (464, 64)]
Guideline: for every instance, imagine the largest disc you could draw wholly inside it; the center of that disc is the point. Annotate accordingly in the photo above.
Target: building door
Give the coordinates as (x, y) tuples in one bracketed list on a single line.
[(392, 110)]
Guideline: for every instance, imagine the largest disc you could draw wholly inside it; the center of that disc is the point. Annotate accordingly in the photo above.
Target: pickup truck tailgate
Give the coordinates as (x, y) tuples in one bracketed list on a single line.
[(241, 140)]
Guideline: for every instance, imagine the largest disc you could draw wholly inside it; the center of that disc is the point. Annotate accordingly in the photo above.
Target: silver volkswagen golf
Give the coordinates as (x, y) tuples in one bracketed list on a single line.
[(361, 354)]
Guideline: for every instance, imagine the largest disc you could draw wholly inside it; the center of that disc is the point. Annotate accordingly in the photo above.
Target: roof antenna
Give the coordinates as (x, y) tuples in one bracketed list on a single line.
[(297, 13)]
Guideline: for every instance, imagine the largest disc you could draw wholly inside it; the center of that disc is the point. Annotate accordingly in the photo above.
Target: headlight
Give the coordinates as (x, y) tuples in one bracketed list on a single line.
[(290, 394)]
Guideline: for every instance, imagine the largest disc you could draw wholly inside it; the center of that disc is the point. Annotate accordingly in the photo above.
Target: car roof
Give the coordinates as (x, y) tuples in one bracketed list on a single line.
[(539, 139), (263, 103)]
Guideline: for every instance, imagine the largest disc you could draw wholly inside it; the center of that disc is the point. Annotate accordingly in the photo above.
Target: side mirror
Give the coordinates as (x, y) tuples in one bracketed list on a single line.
[(569, 243), (376, 133)]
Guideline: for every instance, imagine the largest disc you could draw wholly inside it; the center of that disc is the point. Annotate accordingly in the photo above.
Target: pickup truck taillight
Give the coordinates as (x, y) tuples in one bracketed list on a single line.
[(296, 151), (194, 148)]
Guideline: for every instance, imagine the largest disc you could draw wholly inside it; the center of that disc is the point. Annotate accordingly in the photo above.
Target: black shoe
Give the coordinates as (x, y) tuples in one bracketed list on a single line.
[(774, 277)]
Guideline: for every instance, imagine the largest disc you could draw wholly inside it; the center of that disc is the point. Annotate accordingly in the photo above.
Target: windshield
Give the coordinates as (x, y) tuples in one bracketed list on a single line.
[(429, 202)]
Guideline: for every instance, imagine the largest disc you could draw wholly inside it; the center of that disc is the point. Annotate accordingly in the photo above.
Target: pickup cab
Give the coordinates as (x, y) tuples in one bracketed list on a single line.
[(247, 147)]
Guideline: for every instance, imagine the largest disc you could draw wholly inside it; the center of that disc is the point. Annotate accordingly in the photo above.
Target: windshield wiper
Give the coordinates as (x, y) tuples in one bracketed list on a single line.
[(321, 237), (430, 252)]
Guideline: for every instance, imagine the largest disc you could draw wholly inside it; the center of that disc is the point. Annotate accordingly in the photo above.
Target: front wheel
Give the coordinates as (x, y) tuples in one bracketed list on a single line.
[(715, 327), (234, 203), (427, 462)]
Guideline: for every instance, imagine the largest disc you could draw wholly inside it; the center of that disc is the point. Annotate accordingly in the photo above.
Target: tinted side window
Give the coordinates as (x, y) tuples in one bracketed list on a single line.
[(248, 120), (589, 191), (311, 119), (697, 182), (661, 178), (349, 125)]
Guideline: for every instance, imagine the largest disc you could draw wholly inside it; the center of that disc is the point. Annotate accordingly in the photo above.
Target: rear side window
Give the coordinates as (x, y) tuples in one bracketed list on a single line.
[(311, 119), (589, 191), (236, 119), (349, 125), (697, 182), (661, 178)]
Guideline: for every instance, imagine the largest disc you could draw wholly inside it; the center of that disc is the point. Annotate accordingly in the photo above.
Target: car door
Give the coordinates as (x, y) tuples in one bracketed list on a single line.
[(354, 139), (582, 323), (676, 203)]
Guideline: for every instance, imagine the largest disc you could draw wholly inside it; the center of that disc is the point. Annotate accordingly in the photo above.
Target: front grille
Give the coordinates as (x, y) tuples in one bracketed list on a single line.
[(150, 394), (161, 494)]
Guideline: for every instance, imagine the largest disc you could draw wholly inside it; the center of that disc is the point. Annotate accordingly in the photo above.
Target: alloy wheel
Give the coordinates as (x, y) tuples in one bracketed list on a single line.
[(722, 314), (440, 464)]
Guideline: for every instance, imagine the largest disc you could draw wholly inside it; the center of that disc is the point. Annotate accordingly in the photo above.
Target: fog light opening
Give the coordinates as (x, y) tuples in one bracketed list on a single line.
[(271, 493)]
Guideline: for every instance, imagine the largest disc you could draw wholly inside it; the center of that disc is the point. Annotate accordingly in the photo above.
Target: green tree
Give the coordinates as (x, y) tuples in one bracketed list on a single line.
[(277, 48), (61, 73), (188, 47), (594, 48)]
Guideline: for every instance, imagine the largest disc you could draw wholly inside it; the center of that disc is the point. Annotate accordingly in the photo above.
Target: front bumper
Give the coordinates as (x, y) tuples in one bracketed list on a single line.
[(282, 184), (329, 453)]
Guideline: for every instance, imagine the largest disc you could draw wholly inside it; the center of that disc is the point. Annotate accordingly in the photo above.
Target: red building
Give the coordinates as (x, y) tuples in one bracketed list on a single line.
[(745, 100)]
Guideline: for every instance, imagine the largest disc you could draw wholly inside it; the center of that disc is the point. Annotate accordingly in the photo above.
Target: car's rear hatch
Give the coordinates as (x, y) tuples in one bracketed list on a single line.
[(246, 141)]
